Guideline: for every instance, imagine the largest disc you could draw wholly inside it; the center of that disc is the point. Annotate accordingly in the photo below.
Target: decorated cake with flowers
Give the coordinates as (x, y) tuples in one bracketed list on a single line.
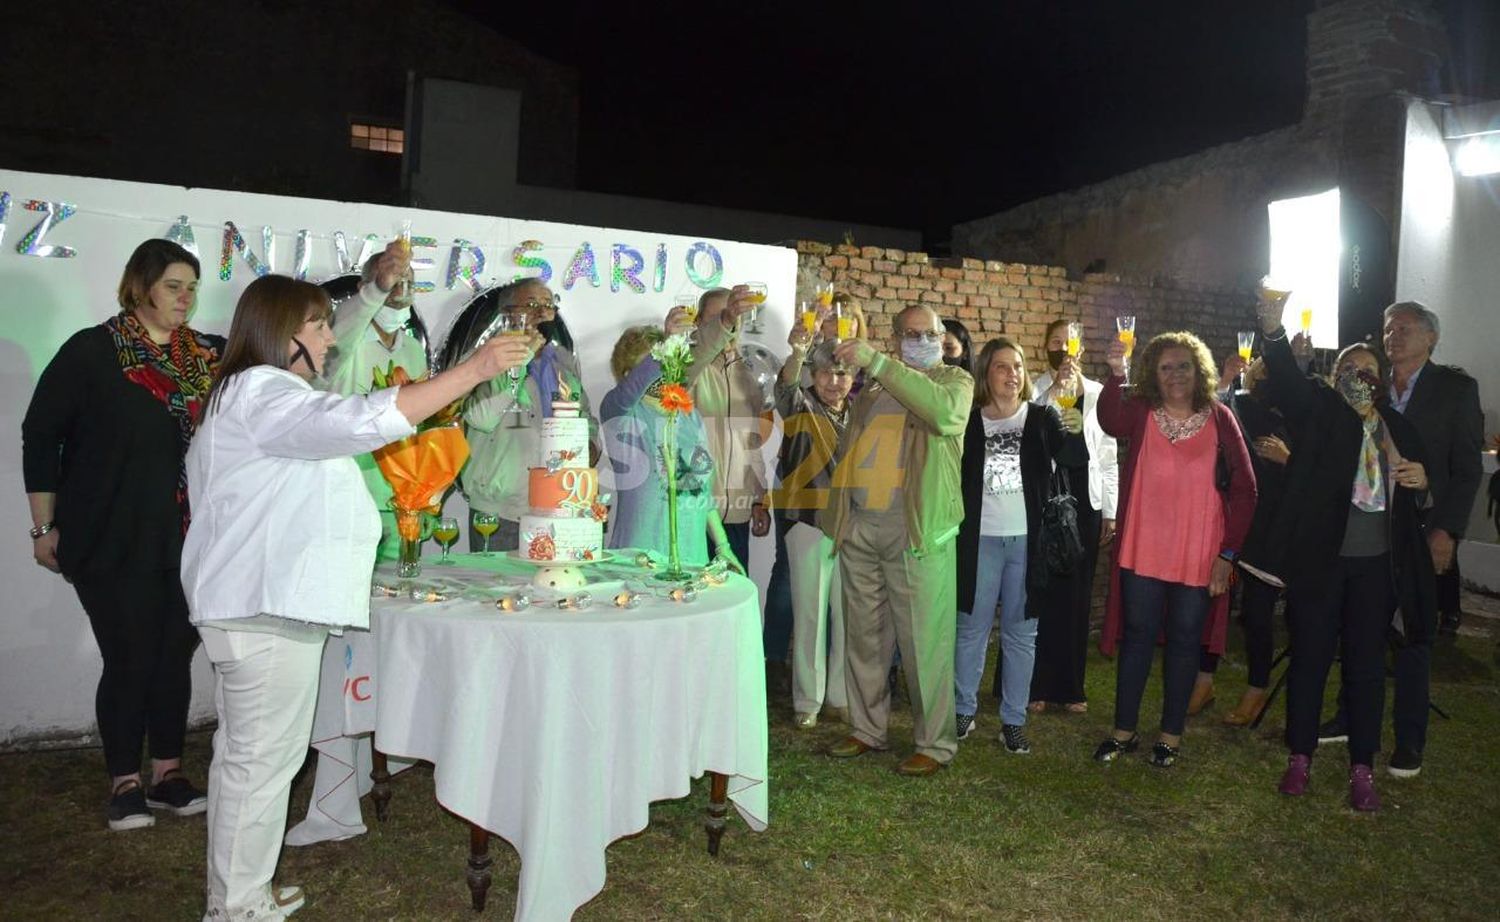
[(566, 520)]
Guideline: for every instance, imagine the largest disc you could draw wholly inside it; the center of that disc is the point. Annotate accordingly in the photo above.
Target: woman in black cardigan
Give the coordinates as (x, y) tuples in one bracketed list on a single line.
[(1009, 447), (102, 451), (1346, 542)]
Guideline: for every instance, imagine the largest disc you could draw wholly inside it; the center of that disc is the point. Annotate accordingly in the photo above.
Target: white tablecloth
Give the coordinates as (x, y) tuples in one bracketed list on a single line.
[(556, 730)]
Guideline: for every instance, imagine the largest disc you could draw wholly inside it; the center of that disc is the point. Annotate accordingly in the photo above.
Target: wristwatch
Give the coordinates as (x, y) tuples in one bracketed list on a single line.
[(41, 530)]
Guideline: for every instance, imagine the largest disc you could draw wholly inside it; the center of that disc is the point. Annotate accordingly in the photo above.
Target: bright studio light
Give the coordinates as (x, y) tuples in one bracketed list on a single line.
[(1305, 249), (1478, 156)]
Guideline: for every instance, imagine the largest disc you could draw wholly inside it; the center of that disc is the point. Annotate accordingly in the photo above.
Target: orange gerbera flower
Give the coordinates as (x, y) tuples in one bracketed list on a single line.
[(675, 398)]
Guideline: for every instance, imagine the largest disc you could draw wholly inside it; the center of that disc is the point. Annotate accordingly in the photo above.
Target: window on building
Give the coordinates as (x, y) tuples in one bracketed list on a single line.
[(382, 138)]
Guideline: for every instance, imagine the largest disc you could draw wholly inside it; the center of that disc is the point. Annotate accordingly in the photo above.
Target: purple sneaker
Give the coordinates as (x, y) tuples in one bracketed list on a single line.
[(1362, 796), (1294, 782)]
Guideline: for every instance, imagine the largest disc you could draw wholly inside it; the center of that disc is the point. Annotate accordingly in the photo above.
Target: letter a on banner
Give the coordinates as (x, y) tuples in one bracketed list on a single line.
[(53, 214)]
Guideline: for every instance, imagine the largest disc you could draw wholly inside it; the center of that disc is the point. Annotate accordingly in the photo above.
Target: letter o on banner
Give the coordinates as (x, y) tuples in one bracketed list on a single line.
[(713, 278)]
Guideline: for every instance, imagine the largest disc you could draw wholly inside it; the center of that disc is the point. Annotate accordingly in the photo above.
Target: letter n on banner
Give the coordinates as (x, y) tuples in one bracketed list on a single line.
[(234, 242)]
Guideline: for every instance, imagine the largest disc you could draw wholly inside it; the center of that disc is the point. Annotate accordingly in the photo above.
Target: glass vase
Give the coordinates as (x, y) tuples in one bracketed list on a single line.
[(673, 571), (409, 528)]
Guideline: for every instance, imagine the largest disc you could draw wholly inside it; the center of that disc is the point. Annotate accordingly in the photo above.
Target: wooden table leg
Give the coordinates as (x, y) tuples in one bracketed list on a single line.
[(478, 872), (718, 806), (380, 795)]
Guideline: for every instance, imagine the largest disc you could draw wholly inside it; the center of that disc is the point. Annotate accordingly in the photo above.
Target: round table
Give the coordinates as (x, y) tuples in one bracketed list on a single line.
[(556, 729)]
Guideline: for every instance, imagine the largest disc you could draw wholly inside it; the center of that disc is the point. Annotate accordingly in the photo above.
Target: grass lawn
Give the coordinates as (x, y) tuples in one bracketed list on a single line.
[(1050, 835)]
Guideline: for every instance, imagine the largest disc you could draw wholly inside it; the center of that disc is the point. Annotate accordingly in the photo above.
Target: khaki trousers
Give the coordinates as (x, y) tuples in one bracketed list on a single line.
[(893, 599)]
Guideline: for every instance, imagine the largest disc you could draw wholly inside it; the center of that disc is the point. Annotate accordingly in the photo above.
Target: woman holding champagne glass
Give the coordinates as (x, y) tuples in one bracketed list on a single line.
[(1187, 496), (102, 448), (1089, 459), (269, 573)]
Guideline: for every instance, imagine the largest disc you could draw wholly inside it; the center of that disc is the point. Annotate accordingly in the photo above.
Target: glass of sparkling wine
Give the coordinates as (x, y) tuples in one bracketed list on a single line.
[(514, 323), (446, 532), (1125, 325), (485, 524), (1307, 322), (1075, 339), (758, 298), (825, 295), (1067, 395), (843, 324), (809, 316), (1247, 343), (689, 305), (402, 291)]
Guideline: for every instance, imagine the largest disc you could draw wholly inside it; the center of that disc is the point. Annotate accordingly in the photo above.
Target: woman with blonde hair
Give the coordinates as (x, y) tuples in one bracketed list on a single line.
[(1187, 494)]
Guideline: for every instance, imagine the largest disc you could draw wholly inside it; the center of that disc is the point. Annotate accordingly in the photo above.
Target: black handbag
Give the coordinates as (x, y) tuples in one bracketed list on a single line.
[(1060, 544)]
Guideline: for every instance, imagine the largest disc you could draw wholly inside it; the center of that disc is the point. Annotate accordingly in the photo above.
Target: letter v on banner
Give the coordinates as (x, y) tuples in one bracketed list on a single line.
[(53, 214)]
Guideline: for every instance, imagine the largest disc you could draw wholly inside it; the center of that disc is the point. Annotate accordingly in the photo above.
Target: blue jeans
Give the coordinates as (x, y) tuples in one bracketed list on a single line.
[(1001, 578), (1144, 604)]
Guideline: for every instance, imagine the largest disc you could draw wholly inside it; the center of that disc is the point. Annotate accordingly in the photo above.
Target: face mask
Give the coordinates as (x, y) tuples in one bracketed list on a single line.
[(921, 353), (1055, 358), (390, 319), (301, 353), (1358, 388)]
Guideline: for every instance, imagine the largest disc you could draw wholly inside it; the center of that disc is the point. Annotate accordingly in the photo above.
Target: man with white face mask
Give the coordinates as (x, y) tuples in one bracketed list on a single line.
[(370, 332), (893, 516)]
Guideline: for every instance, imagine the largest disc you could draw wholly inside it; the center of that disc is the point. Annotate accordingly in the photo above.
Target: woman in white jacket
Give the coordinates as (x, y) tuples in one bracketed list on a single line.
[(1089, 460), (280, 553)]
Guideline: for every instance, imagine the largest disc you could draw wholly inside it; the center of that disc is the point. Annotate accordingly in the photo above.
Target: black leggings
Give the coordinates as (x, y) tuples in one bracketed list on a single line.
[(140, 622), (1257, 606), (1349, 611)]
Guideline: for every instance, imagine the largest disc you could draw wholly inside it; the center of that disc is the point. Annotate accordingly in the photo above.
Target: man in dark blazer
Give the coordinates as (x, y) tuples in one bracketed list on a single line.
[(1442, 402)]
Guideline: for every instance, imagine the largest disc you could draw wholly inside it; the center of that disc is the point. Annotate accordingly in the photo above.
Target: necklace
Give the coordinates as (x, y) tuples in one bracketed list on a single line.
[(1178, 429)]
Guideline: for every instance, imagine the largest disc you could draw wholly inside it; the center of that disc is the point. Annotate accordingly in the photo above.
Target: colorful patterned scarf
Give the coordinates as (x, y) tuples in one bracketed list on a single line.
[(1369, 486), (178, 375)]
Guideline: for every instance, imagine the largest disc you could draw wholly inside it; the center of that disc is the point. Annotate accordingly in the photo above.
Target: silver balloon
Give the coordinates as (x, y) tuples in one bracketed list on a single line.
[(764, 366), (475, 324)]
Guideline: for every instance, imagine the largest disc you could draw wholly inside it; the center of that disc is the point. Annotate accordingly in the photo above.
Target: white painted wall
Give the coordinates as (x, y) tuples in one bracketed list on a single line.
[(49, 665), (1449, 259)]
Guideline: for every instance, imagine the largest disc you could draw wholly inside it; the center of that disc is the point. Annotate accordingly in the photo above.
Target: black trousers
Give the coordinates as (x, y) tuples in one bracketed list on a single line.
[(140, 622), (1348, 611), (1062, 613)]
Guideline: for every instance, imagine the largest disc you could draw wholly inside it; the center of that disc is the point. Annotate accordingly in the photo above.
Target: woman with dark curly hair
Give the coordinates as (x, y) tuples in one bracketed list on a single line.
[(1186, 499)]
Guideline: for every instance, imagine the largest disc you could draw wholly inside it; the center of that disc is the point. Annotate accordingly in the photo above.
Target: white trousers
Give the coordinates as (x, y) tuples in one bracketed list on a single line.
[(817, 620), (265, 688)]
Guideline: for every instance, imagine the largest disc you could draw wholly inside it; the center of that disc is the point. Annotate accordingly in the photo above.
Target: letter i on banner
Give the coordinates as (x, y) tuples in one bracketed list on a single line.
[(303, 257), (234, 242), (53, 214), (659, 275), (4, 212)]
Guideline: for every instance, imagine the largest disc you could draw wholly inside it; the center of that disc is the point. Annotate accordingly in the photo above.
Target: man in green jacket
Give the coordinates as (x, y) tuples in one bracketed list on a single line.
[(893, 516)]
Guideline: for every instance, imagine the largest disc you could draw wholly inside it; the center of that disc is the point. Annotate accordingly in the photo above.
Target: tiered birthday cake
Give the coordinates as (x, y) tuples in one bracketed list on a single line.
[(566, 521)]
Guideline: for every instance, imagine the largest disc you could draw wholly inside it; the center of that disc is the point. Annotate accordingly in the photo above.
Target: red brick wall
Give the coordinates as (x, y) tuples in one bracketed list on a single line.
[(992, 297)]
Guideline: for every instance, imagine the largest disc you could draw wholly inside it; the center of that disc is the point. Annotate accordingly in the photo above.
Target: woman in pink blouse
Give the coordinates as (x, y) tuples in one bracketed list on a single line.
[(1187, 493)]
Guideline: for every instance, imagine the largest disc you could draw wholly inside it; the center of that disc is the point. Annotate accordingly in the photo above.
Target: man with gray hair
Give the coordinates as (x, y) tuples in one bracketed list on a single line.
[(1442, 402), (893, 518)]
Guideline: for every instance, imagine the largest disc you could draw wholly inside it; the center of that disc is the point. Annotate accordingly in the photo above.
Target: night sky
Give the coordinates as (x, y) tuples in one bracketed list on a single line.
[(916, 118)]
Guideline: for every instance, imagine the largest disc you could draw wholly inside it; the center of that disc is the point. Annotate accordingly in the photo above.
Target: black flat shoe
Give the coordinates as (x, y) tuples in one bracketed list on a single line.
[(1163, 756), (1111, 749)]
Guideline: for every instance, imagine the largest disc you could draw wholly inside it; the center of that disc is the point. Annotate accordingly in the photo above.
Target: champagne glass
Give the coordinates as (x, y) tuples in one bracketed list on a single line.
[(1067, 394), (758, 298), (402, 290), (1075, 339), (1247, 343), (825, 295), (1125, 326), (843, 324), (689, 304), (810, 316), (486, 524), (1307, 322), (446, 532)]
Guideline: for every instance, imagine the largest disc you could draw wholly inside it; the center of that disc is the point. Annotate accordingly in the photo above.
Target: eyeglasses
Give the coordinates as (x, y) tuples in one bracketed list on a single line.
[(535, 305), (930, 336)]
